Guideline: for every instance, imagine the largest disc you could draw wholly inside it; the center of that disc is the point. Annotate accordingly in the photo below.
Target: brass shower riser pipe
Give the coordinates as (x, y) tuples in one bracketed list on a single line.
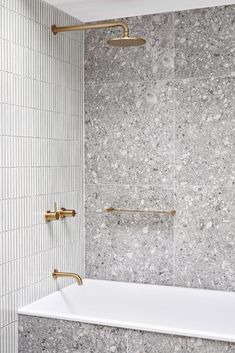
[(100, 25)]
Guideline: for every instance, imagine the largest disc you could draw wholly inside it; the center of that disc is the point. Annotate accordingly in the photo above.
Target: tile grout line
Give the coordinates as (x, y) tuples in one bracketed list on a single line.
[(164, 186), (42, 53), (174, 171), (84, 164), (41, 252), (39, 80), (128, 334), (11, 323), (61, 114), (47, 166), (167, 79), (39, 138), (40, 195)]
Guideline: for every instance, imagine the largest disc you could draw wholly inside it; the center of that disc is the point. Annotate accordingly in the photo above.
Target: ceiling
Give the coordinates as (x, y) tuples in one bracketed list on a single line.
[(95, 10)]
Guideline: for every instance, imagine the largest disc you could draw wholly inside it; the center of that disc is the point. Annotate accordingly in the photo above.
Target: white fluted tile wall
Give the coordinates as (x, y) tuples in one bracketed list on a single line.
[(41, 155)]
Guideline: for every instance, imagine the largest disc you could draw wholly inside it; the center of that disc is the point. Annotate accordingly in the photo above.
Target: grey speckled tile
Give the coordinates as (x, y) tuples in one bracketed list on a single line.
[(148, 342), (153, 61), (132, 138), (37, 335), (45, 335), (205, 237), (129, 247), (205, 131), (129, 133), (205, 42)]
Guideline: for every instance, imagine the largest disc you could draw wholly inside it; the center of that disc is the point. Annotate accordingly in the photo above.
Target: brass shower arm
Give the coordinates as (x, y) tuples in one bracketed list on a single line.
[(123, 41), (99, 25)]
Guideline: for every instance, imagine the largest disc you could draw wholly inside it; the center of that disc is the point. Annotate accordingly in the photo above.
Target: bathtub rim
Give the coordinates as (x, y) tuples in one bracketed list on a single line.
[(132, 325)]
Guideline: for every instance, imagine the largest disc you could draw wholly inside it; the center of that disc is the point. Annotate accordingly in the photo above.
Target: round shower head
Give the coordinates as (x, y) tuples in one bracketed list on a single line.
[(126, 41)]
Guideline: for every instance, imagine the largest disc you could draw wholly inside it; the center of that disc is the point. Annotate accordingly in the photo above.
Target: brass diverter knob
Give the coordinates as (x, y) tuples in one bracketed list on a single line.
[(51, 216), (67, 213)]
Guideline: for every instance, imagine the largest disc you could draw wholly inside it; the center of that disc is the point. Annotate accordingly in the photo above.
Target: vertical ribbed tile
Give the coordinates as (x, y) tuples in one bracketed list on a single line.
[(41, 155)]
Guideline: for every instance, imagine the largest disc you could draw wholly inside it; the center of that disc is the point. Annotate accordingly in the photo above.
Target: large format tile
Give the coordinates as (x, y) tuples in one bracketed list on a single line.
[(129, 247), (148, 342), (129, 133), (205, 131), (38, 334), (131, 139), (204, 237), (155, 60), (205, 42)]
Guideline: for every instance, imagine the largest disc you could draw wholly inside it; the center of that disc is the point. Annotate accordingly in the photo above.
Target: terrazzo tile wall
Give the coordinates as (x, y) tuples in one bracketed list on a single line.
[(160, 133), (72, 336), (41, 129)]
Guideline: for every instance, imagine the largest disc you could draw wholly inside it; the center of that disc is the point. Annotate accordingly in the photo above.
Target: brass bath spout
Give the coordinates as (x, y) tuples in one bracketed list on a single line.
[(57, 274)]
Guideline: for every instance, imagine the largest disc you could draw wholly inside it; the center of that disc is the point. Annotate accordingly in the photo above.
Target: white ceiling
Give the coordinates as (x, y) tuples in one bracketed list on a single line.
[(94, 10)]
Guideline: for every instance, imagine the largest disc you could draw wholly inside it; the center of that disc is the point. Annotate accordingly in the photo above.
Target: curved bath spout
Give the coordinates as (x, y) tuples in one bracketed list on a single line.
[(57, 274)]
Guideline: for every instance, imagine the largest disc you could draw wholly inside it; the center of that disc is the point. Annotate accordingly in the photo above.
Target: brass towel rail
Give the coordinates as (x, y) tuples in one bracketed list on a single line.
[(146, 210)]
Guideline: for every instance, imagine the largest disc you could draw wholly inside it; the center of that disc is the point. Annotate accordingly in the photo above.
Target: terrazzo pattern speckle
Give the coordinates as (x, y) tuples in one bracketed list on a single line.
[(129, 247), (205, 131), (205, 229), (130, 132), (37, 335), (205, 42), (160, 127), (148, 342)]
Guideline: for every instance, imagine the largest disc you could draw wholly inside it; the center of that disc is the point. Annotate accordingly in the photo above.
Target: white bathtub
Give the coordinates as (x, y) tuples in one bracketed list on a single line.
[(170, 310)]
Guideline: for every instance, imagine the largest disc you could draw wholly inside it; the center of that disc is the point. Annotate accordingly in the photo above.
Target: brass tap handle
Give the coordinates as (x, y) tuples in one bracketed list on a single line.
[(67, 213), (51, 216)]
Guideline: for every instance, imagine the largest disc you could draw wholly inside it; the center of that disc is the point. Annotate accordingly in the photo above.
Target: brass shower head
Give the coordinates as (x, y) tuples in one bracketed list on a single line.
[(124, 41)]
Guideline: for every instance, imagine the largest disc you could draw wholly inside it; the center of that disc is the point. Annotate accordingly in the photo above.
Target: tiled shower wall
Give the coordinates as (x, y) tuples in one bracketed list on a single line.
[(160, 133), (41, 129)]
